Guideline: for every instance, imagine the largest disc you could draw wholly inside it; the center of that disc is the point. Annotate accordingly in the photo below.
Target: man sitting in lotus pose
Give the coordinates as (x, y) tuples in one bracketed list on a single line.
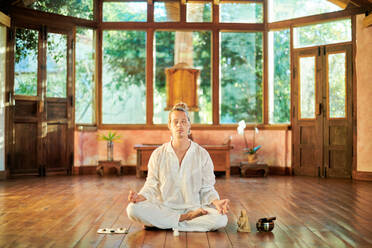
[(179, 189)]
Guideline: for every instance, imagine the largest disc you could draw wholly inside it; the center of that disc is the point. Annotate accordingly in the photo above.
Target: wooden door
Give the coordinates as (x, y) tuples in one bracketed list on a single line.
[(322, 113), (307, 120), (39, 112), (57, 117), (337, 114), (24, 101)]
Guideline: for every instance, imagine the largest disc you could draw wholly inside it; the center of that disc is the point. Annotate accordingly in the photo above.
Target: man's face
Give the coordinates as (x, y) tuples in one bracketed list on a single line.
[(179, 125)]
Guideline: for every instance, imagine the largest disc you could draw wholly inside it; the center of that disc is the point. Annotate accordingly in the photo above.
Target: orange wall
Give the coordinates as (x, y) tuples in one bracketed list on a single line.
[(275, 151), (364, 95)]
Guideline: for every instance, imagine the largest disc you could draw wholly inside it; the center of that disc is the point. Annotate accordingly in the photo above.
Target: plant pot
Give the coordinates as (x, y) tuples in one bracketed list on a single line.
[(252, 158), (110, 151)]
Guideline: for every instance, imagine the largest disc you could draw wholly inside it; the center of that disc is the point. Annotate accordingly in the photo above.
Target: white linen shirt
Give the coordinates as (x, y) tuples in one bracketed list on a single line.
[(190, 185)]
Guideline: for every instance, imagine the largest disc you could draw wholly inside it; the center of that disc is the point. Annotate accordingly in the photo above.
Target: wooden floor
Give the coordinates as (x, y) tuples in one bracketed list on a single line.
[(67, 211)]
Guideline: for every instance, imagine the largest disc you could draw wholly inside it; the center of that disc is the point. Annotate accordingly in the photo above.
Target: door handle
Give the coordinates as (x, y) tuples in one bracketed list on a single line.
[(318, 110), (41, 106)]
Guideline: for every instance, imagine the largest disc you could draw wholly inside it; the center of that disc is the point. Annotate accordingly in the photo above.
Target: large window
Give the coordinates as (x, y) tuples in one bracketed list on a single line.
[(241, 77), (167, 11), (288, 9), (279, 76), (124, 11), (124, 77), (241, 12), (76, 8), (194, 49), (84, 80), (227, 42), (199, 12), (322, 33)]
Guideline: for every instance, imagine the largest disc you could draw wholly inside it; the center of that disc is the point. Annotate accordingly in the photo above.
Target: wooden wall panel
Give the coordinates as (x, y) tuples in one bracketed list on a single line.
[(25, 109), (306, 135), (25, 148), (56, 147), (56, 110)]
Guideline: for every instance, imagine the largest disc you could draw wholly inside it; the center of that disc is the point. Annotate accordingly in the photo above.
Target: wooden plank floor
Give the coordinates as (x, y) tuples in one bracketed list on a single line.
[(64, 211)]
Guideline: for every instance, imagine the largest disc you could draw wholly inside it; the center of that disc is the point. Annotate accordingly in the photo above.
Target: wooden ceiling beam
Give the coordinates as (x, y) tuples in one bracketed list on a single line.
[(366, 4), (4, 19), (340, 3), (367, 21)]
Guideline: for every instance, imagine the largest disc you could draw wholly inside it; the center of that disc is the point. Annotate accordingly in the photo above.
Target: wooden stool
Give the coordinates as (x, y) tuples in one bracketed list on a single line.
[(253, 169), (102, 164)]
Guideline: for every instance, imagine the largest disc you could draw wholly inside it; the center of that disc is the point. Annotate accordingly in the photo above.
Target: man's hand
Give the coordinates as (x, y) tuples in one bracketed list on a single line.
[(222, 206), (134, 197)]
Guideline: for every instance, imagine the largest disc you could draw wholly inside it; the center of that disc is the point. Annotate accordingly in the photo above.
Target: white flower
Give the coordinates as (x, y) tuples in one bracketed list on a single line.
[(242, 124), (241, 127), (240, 130)]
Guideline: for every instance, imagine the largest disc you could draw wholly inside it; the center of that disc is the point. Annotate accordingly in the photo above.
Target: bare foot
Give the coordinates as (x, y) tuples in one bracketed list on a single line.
[(193, 214)]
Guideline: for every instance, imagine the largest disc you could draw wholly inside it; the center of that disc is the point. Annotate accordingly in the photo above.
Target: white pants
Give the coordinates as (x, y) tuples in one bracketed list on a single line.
[(160, 216)]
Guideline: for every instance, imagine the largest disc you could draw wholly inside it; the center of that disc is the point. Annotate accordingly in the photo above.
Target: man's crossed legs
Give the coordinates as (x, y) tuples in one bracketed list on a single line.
[(160, 216)]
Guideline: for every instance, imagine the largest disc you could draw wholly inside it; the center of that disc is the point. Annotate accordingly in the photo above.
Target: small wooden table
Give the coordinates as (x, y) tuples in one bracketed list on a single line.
[(102, 164), (220, 155), (253, 169)]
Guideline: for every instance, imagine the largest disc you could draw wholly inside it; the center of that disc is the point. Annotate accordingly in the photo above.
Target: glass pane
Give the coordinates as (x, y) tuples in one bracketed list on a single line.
[(322, 34), (196, 52), (124, 11), (25, 68), (84, 69), (124, 77), (307, 87), (241, 12), (199, 12), (56, 65), (337, 85), (241, 77), (76, 8), (166, 12), (279, 77), (289, 9)]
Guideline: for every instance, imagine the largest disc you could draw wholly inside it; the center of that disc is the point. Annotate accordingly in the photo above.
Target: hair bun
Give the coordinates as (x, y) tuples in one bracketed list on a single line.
[(180, 105)]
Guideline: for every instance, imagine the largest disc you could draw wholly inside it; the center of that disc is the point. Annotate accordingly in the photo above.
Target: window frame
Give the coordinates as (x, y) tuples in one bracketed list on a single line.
[(49, 19)]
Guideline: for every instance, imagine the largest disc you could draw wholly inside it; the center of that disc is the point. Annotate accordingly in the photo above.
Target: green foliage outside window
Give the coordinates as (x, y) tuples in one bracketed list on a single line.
[(279, 77), (198, 12), (307, 87), (84, 80), (241, 12), (124, 11), (288, 9), (56, 66), (164, 58), (76, 8), (166, 11), (241, 66), (25, 64), (124, 74), (322, 33), (337, 85), (124, 77)]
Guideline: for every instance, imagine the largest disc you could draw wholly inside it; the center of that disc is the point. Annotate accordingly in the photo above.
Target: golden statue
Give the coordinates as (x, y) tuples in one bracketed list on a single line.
[(243, 223)]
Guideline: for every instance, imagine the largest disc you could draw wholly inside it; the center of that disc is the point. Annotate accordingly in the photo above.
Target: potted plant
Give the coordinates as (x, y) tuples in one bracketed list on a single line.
[(111, 137), (250, 151)]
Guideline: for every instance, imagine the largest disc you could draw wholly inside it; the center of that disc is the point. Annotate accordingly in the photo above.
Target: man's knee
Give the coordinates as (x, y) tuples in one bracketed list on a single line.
[(221, 221), (132, 211)]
